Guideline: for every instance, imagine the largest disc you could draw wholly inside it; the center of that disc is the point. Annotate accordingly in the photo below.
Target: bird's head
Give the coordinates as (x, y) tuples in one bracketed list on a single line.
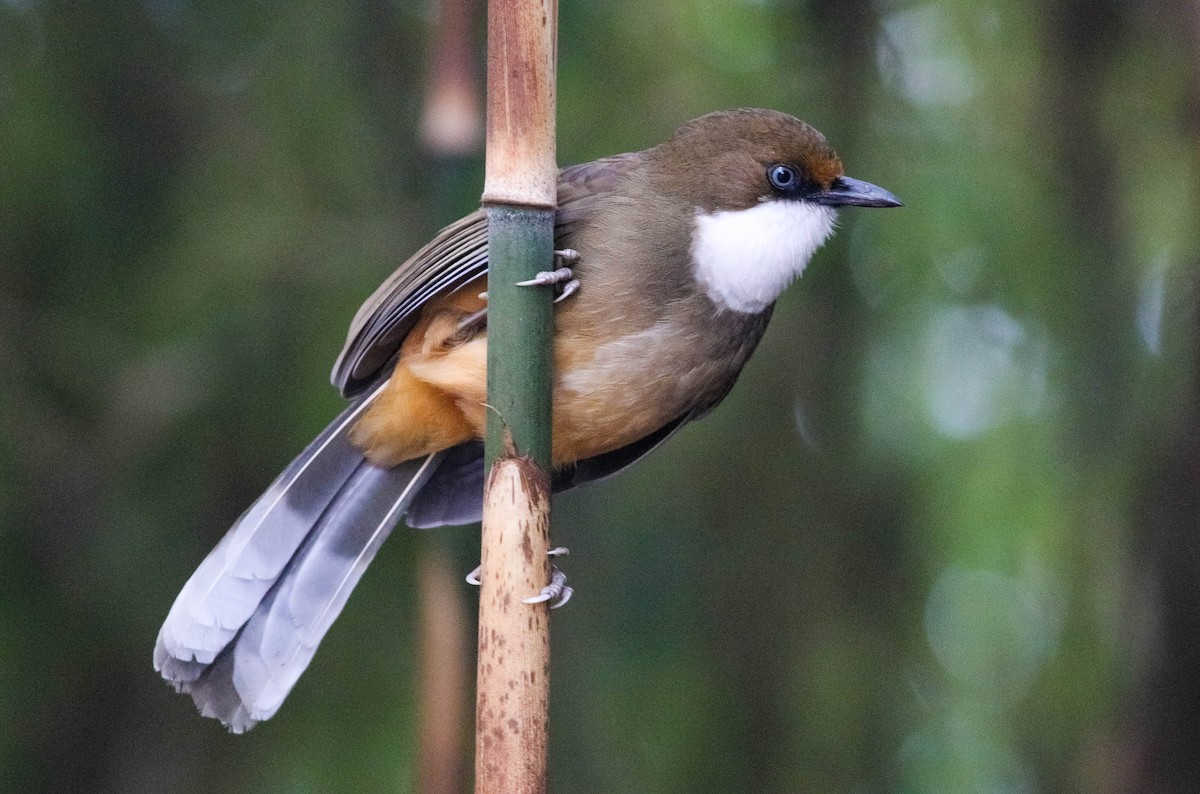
[(765, 188)]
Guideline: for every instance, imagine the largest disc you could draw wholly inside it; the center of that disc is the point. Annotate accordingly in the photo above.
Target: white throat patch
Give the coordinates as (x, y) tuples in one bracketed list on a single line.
[(745, 258)]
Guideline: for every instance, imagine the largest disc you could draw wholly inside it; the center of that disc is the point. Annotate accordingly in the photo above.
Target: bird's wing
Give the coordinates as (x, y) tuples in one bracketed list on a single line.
[(456, 256)]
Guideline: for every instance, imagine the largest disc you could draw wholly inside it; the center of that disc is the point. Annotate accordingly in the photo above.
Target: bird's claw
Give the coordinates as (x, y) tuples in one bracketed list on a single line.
[(547, 277), (563, 275), (558, 592), (569, 289)]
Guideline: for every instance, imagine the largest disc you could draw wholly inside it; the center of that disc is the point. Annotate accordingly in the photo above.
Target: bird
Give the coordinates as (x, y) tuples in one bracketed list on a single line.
[(677, 255)]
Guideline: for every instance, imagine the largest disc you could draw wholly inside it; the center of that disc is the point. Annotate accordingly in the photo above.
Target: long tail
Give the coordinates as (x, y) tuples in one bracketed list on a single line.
[(246, 625)]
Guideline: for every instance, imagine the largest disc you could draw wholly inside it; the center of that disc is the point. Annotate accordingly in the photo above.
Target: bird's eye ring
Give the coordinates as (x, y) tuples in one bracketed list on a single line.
[(782, 177)]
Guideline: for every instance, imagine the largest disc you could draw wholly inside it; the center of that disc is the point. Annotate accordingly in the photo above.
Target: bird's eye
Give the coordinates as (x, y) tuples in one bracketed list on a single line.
[(782, 177)]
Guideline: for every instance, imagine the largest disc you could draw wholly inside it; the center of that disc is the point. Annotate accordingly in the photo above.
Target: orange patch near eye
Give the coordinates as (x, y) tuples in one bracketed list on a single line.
[(823, 170)]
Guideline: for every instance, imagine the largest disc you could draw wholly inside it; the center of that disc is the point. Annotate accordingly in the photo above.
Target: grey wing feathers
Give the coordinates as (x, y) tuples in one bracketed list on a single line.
[(455, 495), (231, 582), (253, 675), (248, 621)]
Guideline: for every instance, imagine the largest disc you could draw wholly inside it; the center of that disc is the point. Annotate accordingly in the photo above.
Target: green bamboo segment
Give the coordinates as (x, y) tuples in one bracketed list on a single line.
[(520, 367)]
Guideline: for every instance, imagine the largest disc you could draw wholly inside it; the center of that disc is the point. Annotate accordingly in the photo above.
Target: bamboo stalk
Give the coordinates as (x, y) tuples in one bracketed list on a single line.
[(512, 678), (513, 691), (520, 191), (522, 49)]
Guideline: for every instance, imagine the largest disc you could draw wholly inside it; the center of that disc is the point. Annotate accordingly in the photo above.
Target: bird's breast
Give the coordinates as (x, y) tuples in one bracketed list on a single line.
[(616, 385)]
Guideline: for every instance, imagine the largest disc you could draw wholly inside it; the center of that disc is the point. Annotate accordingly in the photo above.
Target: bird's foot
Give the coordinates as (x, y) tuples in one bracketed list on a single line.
[(558, 592), (563, 275)]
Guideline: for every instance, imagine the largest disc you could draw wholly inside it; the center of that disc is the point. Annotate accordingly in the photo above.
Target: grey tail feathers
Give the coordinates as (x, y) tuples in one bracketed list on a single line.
[(246, 625)]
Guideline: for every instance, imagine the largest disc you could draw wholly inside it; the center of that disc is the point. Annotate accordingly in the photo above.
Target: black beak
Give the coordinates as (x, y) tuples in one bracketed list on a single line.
[(846, 191)]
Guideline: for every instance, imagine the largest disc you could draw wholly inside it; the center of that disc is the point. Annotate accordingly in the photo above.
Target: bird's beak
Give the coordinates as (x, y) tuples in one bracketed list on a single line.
[(847, 191)]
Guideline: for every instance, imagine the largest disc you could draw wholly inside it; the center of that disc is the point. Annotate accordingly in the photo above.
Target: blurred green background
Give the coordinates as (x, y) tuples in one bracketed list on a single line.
[(944, 536)]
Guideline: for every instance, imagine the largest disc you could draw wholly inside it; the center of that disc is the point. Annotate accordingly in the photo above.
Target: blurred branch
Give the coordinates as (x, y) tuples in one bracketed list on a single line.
[(451, 126), (441, 764), (451, 116)]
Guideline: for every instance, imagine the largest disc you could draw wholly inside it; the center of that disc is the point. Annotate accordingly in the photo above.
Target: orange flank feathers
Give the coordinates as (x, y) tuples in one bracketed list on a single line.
[(435, 397)]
